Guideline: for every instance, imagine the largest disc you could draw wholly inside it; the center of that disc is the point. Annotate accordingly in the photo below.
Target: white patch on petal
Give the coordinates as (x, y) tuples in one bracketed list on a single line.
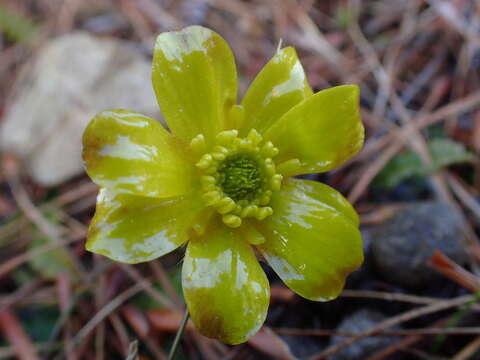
[(242, 274), (285, 270), (176, 45), (256, 287), (206, 273), (129, 119), (124, 148), (296, 77), (134, 181)]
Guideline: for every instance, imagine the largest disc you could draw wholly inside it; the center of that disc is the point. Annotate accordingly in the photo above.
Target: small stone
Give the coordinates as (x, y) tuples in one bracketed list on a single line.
[(403, 246), (358, 322), (72, 78)]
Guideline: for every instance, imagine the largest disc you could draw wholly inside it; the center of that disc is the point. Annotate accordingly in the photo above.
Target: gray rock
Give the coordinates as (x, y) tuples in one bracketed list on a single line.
[(73, 78), (402, 246), (358, 322)]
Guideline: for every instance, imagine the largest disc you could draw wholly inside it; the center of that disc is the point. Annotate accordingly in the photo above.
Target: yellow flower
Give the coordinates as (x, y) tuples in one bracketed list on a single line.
[(221, 181)]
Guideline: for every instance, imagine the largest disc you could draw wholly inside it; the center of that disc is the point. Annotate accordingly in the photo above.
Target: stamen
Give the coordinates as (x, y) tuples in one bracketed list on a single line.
[(198, 144), (218, 156), (263, 212), (248, 211), (268, 150), (276, 182), (205, 161), (232, 220), (226, 205), (269, 167), (238, 175), (255, 137), (207, 180), (265, 199), (226, 137), (212, 197), (289, 167)]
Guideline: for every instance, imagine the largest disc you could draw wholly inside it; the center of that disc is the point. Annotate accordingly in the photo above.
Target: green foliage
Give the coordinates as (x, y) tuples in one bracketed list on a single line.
[(53, 262), (39, 322), (343, 17), (446, 152), (16, 27), (408, 165)]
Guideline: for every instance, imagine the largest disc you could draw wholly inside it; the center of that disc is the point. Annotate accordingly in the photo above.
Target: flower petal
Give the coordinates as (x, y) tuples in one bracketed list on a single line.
[(195, 80), (134, 154), (312, 239), (133, 229), (277, 88), (225, 288), (323, 132)]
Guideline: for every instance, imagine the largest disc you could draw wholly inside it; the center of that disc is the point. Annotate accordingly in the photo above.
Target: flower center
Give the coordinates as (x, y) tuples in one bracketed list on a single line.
[(237, 175)]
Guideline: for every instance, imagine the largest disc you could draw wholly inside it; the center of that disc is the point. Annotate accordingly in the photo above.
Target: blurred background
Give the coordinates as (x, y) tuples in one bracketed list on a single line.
[(415, 184)]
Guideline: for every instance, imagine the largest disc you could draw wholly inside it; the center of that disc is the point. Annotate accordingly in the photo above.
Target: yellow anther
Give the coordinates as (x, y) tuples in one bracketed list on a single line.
[(289, 167), (268, 150), (274, 152), (245, 144), (248, 211), (220, 149), (207, 180), (263, 212), (205, 161), (212, 197), (236, 143), (269, 167), (211, 170), (208, 187), (219, 156), (226, 205), (276, 182), (266, 196), (226, 137), (254, 137), (232, 220), (198, 144)]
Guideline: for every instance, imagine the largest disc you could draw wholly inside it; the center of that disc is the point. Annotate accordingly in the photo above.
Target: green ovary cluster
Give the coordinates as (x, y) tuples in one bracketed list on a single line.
[(237, 175)]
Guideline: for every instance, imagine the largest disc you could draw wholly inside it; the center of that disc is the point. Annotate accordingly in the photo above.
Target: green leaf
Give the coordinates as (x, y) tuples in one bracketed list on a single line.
[(408, 165), (16, 27), (343, 17), (446, 152), (39, 321), (53, 262)]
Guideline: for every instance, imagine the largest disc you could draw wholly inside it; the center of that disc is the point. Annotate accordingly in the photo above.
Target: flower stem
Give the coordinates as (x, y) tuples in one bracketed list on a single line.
[(178, 336)]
